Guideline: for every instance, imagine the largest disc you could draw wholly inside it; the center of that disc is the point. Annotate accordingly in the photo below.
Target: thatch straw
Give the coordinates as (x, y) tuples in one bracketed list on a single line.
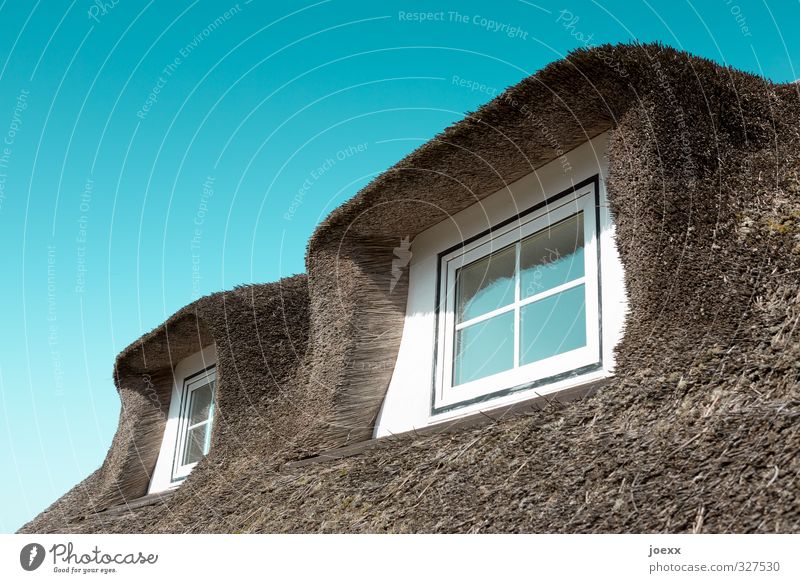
[(698, 431)]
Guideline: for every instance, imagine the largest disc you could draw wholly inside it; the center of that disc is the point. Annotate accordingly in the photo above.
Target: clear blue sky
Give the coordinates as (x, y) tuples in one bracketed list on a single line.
[(145, 162)]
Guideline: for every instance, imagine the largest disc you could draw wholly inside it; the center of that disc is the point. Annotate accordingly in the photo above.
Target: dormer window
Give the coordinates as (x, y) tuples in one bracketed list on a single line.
[(520, 305), (196, 416), (512, 299), (187, 436)]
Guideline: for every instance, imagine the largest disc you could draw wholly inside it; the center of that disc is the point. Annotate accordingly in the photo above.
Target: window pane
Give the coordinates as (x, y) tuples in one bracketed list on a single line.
[(552, 256), (195, 447), (200, 404), (484, 349), (553, 325), (486, 284)]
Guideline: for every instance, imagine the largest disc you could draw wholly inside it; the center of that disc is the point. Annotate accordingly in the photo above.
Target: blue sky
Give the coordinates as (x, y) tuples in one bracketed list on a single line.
[(150, 156)]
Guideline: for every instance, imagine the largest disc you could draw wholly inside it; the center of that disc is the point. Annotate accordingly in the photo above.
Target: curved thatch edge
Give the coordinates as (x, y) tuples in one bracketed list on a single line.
[(260, 332), (358, 309)]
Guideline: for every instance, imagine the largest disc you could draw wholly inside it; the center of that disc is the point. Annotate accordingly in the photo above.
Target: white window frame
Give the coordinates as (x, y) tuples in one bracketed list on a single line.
[(189, 374), (190, 385), (543, 372)]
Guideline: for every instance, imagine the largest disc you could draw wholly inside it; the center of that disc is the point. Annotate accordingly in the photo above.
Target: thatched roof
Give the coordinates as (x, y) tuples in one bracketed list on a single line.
[(699, 430)]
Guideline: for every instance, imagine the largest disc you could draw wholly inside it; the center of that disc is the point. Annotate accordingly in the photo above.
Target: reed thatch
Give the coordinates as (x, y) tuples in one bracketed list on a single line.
[(699, 430), (261, 335)]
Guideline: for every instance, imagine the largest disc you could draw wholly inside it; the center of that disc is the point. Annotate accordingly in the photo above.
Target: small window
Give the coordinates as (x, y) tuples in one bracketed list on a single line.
[(196, 417), (187, 431), (520, 306)]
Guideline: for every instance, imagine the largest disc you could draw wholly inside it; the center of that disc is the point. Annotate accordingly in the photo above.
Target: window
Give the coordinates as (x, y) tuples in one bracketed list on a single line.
[(196, 416), (187, 432), (520, 306)]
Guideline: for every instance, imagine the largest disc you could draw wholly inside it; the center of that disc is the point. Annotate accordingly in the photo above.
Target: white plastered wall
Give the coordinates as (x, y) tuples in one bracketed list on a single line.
[(407, 404)]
